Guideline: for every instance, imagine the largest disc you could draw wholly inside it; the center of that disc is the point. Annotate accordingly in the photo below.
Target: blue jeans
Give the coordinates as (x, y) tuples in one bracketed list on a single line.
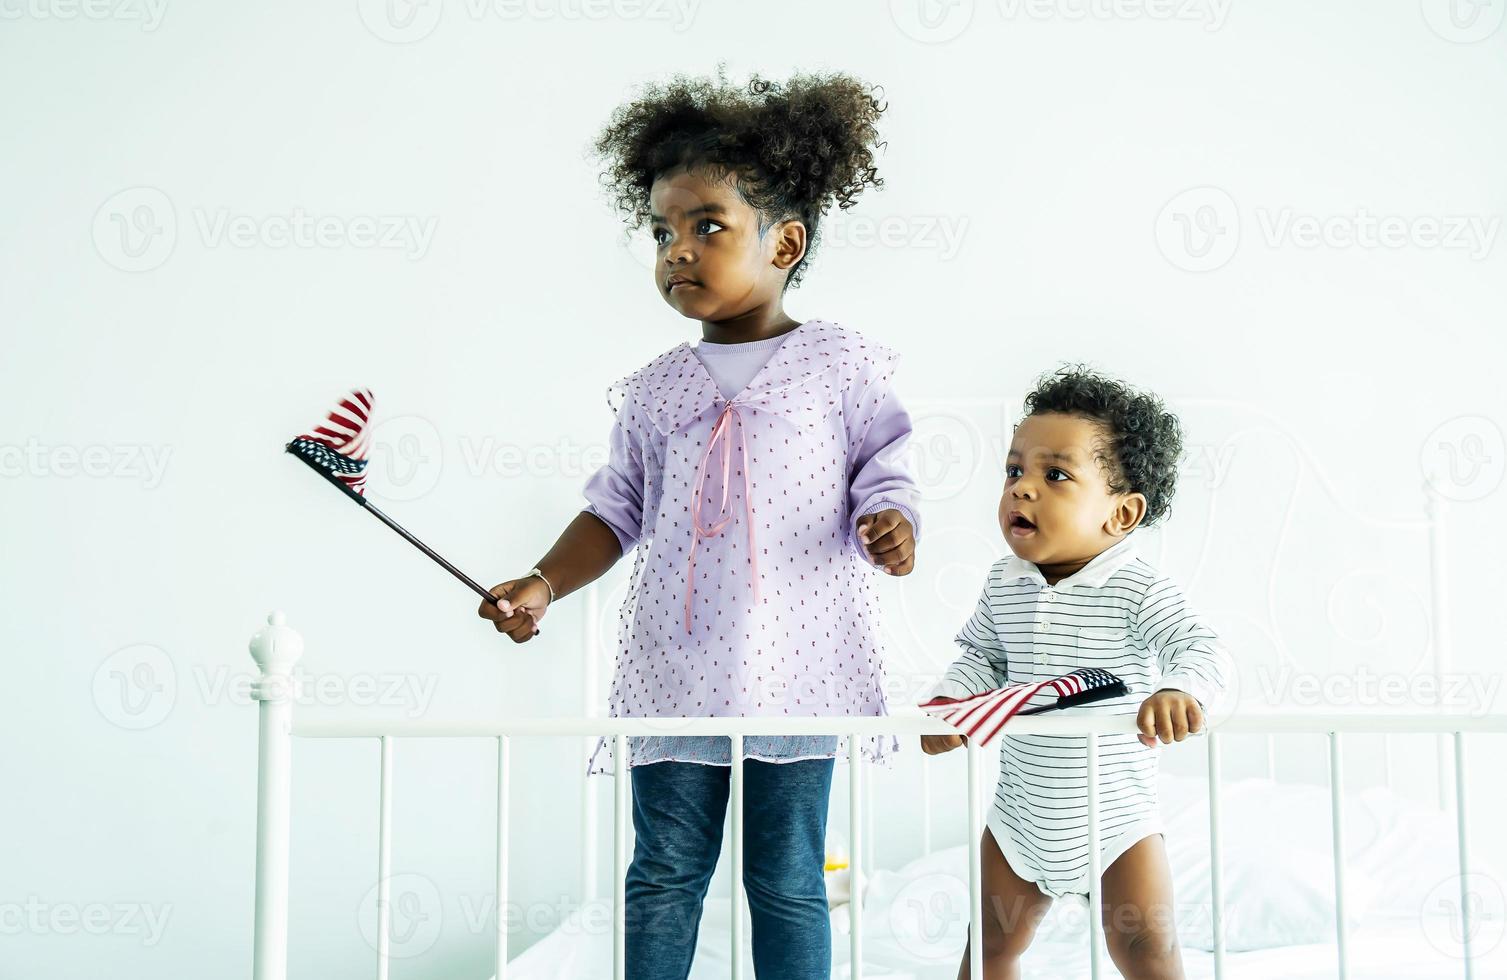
[(678, 808)]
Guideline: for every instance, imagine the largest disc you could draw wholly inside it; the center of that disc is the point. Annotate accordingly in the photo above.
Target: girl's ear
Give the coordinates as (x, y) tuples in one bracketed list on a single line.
[(789, 243), (1126, 515)]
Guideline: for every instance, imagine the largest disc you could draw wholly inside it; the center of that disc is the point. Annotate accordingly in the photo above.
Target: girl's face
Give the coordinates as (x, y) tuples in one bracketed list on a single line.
[(1057, 507), (711, 262)]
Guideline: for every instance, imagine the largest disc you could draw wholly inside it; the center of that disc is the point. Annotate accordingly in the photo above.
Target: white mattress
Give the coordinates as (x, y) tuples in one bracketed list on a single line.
[(1401, 888)]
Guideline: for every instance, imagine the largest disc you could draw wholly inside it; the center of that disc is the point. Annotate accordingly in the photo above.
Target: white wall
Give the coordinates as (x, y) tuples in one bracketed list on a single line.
[(1041, 171)]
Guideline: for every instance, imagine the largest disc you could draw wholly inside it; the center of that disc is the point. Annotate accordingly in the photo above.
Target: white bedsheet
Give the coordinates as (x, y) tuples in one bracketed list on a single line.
[(1401, 890)]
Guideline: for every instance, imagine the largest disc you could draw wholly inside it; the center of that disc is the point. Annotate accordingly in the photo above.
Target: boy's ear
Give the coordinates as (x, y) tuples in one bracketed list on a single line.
[(1127, 514), (789, 243)]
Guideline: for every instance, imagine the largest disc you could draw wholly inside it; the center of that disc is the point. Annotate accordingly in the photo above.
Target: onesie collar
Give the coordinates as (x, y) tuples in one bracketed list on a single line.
[(1094, 574)]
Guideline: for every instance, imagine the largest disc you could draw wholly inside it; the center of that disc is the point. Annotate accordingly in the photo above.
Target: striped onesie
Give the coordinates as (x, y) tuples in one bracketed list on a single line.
[(1117, 613)]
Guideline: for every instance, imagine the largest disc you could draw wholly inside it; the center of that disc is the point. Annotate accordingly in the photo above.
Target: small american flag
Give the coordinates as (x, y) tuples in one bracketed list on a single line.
[(982, 716), (338, 446)]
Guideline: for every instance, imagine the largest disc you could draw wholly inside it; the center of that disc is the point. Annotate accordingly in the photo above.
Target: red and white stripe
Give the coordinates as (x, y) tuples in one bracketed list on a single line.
[(982, 716)]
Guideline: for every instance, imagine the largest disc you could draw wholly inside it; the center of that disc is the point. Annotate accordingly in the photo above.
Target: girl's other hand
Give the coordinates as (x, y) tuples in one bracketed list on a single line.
[(1169, 715), (888, 540), (936, 744), (521, 603)]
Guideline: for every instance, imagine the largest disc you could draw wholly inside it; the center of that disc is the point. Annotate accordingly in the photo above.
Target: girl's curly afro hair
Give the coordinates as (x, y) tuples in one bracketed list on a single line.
[(793, 148), (1142, 440)]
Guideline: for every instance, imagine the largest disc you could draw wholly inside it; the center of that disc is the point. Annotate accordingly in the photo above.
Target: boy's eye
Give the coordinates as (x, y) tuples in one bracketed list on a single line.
[(704, 222), (656, 232), (1011, 470), (1058, 472)]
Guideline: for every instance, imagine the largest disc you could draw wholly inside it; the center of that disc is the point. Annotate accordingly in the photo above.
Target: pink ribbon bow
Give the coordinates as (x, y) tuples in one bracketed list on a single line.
[(720, 434)]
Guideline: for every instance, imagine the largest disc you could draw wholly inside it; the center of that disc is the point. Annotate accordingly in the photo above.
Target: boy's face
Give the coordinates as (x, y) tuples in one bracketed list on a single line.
[(707, 234), (1057, 506)]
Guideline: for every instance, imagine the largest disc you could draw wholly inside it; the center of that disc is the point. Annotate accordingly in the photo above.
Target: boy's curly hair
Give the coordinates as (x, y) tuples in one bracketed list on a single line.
[(1142, 440), (793, 148)]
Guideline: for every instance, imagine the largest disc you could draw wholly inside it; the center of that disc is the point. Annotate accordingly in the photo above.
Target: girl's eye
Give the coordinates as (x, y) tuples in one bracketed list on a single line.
[(702, 223)]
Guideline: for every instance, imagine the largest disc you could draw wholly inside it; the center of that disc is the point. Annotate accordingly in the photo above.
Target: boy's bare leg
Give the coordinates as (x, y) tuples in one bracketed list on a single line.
[(1013, 908), (1139, 926)]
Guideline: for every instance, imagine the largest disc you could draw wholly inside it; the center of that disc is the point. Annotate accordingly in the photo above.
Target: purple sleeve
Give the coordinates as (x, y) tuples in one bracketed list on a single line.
[(615, 492), (879, 455)]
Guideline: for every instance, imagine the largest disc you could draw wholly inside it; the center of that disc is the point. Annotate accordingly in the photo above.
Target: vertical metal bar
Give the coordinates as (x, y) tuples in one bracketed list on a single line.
[(384, 860), (925, 809), (868, 816), (1439, 638), (503, 812), (1387, 760), (1095, 911), (591, 821), (855, 858), (1466, 922), (276, 650), (1337, 810), (975, 868), (619, 859), (1216, 855), (735, 802)]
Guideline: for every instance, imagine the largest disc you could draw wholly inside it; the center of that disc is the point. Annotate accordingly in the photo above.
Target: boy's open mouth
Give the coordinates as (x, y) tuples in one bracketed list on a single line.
[(1020, 526)]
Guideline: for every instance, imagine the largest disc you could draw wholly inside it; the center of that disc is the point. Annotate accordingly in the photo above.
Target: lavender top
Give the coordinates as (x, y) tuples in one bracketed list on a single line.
[(737, 476)]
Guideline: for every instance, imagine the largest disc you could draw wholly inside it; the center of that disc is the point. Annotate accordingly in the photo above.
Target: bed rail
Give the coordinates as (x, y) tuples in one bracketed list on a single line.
[(277, 648)]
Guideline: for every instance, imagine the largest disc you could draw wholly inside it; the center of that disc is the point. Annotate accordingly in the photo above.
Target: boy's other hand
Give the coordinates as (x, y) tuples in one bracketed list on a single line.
[(889, 541), (1169, 715), (936, 744), (521, 603)]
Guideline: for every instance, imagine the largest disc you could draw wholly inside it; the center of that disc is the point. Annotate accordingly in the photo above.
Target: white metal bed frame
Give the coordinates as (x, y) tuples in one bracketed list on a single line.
[(277, 647)]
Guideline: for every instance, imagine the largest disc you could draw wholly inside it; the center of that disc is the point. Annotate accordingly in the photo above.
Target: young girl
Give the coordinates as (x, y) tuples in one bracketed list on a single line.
[(761, 476), (1091, 462)]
